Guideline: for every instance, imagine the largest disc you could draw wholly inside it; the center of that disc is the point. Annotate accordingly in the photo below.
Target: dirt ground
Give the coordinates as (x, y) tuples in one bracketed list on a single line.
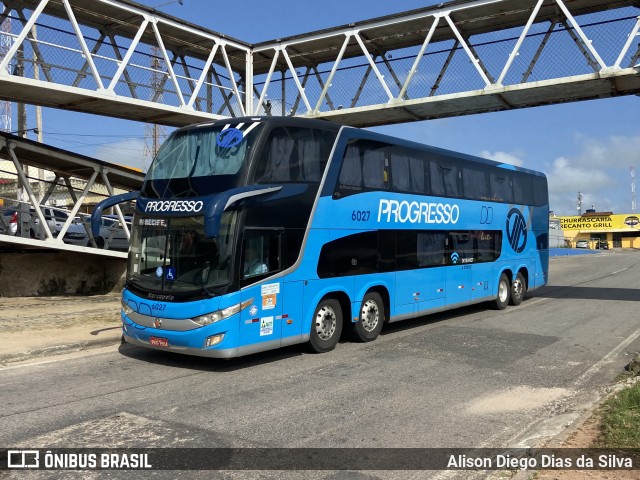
[(584, 437), (44, 325), (50, 313)]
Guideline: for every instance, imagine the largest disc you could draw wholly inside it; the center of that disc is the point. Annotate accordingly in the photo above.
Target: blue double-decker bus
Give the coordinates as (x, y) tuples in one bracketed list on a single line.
[(255, 233)]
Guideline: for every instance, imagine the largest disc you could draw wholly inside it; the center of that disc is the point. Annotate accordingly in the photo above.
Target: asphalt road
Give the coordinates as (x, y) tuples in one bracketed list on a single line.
[(473, 377)]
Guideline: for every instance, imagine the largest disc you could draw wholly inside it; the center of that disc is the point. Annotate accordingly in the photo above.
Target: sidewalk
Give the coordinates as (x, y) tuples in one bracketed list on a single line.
[(39, 326)]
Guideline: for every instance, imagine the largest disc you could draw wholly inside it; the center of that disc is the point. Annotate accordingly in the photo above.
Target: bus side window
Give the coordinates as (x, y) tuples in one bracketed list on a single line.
[(489, 243), (523, 189), (278, 160), (431, 248), (446, 176), (476, 183), (351, 173), (408, 170), (374, 168), (462, 243), (501, 186)]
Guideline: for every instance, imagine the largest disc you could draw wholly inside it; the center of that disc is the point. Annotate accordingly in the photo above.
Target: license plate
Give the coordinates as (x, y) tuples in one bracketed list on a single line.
[(159, 342)]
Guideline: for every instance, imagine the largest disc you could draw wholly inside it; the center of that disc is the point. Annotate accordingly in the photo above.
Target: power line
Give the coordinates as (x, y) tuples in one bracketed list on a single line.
[(94, 135)]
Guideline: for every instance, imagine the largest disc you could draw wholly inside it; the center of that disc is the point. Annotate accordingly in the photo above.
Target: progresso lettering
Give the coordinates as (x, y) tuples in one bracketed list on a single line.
[(417, 212), (186, 206)]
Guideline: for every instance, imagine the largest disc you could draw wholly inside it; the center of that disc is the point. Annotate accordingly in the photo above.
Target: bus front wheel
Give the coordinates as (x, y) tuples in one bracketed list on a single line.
[(326, 326), (369, 324), (518, 289), (504, 288)]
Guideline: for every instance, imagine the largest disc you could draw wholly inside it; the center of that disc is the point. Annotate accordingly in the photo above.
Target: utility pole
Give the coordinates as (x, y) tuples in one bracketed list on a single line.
[(5, 45), (154, 134), (36, 76), (633, 189), (579, 203)]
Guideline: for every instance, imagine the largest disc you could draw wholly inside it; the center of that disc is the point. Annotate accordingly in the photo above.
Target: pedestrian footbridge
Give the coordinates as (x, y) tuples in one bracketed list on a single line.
[(123, 59), (47, 193)]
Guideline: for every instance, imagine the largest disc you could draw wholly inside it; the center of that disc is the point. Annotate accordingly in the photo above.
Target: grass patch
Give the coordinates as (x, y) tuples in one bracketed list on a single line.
[(620, 427)]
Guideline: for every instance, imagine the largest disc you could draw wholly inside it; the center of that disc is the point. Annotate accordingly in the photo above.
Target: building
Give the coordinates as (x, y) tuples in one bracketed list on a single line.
[(620, 230)]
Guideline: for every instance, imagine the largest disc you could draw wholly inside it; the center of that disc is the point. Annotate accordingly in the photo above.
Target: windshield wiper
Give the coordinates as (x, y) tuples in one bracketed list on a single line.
[(202, 285)]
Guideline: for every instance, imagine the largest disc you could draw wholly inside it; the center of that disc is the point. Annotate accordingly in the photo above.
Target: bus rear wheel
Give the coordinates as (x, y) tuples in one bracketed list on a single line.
[(504, 289), (518, 289), (326, 326), (371, 318)]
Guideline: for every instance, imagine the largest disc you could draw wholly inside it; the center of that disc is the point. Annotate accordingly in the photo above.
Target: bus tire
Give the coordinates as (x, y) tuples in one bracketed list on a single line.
[(504, 290), (518, 289), (371, 319), (326, 326)]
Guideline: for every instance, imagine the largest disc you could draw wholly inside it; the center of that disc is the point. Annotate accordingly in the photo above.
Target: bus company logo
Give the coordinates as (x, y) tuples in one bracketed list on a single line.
[(417, 212), (516, 230), (23, 459), (455, 257), (185, 206), (229, 138)]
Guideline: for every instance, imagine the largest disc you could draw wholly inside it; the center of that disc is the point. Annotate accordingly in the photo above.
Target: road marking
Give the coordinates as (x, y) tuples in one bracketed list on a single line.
[(608, 358), (529, 431), (620, 271)]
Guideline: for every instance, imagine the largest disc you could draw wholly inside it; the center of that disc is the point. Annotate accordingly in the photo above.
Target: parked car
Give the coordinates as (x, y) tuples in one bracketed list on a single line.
[(9, 222), (112, 234), (602, 245), (76, 235), (54, 217), (582, 244)]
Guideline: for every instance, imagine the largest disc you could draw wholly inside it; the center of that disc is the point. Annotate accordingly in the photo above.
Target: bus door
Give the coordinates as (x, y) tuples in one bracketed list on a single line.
[(460, 269), (487, 251), (408, 276), (431, 256), (261, 321)]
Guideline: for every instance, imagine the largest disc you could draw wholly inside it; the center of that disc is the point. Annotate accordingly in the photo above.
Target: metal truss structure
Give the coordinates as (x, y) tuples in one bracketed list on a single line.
[(456, 58), (73, 179)]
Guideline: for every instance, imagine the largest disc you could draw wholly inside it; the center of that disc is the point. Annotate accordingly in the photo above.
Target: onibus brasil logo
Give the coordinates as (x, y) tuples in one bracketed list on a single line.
[(516, 230)]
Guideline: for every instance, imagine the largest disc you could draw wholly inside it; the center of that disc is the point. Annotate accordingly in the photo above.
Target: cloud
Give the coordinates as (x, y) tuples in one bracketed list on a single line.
[(600, 171), (503, 157), (615, 152)]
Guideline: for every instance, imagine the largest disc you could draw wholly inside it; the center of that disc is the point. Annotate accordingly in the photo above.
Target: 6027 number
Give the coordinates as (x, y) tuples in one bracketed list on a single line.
[(360, 215)]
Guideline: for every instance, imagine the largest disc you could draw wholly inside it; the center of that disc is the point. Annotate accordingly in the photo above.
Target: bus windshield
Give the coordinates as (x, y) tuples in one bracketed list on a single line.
[(172, 255), (201, 160)]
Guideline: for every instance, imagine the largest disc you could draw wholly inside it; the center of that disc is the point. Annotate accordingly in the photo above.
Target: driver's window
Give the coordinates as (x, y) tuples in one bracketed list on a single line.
[(260, 253)]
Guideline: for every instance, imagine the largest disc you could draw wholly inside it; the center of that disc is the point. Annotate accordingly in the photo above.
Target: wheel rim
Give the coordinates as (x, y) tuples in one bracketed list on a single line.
[(517, 287), (326, 322), (503, 292), (370, 315)]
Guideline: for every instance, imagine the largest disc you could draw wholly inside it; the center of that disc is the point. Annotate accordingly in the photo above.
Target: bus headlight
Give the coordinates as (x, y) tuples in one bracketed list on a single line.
[(126, 308), (216, 316)]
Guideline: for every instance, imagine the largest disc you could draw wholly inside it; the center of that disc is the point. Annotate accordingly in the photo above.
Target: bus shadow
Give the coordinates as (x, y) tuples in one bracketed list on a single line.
[(432, 318), (171, 359), (588, 293), (205, 364)]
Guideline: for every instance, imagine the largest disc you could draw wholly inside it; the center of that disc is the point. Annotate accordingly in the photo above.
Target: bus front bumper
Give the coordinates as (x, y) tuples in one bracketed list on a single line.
[(210, 341)]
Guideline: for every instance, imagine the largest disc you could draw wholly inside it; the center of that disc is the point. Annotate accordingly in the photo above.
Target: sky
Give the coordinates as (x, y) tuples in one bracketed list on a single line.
[(585, 147)]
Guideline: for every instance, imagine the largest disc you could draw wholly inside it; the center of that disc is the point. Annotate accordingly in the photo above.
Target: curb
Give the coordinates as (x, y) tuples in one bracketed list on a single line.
[(560, 438), (57, 349)]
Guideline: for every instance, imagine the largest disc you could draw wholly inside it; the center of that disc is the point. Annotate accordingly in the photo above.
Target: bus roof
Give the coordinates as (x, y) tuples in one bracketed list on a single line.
[(360, 133)]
